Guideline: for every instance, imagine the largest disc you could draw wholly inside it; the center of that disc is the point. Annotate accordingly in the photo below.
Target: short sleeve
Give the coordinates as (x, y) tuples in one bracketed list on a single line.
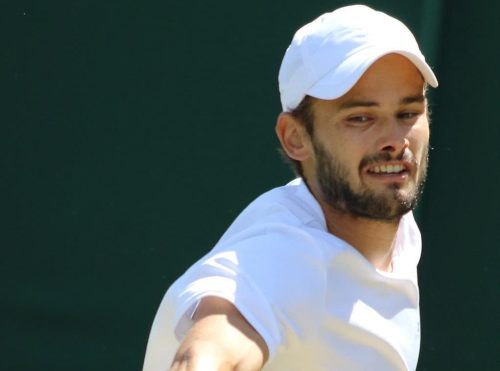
[(273, 278)]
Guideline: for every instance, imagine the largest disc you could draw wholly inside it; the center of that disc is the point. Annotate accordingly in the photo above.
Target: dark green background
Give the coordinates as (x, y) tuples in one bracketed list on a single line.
[(133, 132)]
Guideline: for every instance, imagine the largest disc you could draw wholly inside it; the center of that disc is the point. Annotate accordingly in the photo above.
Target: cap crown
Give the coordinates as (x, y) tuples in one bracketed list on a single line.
[(337, 46)]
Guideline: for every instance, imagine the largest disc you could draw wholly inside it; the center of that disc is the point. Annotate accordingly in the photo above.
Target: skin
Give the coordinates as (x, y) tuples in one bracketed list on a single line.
[(221, 339), (384, 116)]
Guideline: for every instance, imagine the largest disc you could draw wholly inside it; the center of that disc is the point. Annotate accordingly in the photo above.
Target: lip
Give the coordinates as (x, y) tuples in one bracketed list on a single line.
[(388, 178)]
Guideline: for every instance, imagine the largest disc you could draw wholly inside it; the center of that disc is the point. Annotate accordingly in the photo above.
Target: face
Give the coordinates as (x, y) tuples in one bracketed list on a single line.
[(370, 146)]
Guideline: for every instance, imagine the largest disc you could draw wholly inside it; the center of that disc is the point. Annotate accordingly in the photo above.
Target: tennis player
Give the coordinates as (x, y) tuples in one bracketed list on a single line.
[(320, 274)]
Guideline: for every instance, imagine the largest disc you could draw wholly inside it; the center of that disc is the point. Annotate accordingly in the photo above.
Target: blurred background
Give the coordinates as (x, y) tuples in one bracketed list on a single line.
[(134, 132)]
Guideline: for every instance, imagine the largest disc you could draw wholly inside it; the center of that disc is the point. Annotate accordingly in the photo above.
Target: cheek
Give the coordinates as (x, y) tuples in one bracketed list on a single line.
[(349, 155), (419, 138), (420, 150), (346, 149)]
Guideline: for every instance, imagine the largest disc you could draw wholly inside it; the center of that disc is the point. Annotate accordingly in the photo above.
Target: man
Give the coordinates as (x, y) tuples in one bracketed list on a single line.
[(320, 274)]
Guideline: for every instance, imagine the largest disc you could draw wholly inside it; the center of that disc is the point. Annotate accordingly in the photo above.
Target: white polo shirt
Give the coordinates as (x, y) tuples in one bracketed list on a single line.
[(315, 300)]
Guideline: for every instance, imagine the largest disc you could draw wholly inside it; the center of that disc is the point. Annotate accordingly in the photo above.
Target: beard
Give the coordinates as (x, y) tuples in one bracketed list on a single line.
[(365, 203)]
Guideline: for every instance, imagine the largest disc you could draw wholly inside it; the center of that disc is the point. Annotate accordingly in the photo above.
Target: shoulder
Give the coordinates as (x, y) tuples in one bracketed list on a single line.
[(291, 205), (408, 247), (271, 264), (277, 238)]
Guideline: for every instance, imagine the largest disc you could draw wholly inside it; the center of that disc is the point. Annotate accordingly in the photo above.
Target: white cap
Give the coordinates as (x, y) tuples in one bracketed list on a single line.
[(328, 56)]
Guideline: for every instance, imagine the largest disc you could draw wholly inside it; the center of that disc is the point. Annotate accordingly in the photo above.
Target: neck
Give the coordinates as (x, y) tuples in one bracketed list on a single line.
[(372, 238)]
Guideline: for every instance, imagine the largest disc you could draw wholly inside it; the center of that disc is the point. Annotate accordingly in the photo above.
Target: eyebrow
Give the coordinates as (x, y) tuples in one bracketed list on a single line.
[(419, 98)]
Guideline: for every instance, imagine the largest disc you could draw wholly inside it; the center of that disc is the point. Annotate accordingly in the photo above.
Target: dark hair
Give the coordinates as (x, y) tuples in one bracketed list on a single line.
[(304, 114)]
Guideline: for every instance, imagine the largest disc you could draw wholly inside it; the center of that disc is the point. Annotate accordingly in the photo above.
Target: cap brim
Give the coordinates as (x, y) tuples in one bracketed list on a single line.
[(339, 81)]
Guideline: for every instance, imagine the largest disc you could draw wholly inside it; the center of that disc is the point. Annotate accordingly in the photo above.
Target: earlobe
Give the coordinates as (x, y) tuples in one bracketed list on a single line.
[(293, 137)]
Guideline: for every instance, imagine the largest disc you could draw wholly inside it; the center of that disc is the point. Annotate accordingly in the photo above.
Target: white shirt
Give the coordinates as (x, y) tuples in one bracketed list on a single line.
[(316, 301)]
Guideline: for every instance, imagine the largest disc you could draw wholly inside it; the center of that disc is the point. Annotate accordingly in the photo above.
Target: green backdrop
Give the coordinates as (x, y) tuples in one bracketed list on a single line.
[(134, 132)]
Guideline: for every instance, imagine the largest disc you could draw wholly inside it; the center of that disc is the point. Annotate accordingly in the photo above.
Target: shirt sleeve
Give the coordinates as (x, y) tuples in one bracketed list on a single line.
[(274, 278)]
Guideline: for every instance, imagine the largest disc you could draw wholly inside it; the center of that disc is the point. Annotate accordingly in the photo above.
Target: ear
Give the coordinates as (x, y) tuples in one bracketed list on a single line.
[(293, 137)]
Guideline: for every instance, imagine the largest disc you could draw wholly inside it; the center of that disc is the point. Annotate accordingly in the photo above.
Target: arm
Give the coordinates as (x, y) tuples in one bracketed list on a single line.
[(221, 339)]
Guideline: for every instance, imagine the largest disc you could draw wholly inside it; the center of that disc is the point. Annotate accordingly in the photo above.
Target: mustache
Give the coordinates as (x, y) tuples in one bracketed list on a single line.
[(405, 155)]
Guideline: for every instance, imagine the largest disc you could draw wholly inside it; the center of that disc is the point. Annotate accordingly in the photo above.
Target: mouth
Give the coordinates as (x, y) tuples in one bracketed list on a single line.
[(389, 172)]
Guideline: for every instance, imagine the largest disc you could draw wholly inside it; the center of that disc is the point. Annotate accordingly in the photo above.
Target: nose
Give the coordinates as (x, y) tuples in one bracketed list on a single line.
[(393, 138)]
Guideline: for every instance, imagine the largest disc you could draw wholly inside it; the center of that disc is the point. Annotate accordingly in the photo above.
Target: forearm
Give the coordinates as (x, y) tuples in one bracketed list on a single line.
[(220, 340), (201, 356)]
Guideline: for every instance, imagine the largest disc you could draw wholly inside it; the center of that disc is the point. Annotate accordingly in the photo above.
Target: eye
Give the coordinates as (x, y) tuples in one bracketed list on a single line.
[(409, 115), (359, 119)]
